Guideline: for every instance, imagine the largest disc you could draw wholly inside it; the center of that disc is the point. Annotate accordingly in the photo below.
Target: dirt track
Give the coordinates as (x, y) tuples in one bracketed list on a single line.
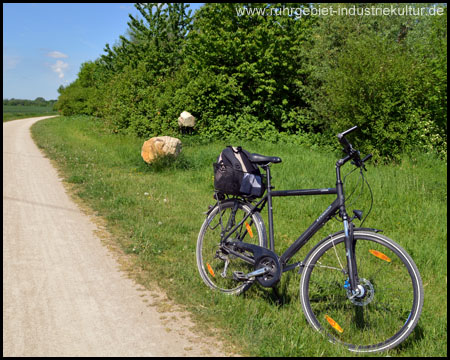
[(63, 291)]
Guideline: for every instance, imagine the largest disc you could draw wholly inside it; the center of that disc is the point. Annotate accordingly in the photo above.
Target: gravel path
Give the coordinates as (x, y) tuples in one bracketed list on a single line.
[(63, 291)]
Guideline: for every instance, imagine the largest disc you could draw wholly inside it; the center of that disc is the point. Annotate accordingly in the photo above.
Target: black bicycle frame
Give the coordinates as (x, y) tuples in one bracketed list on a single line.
[(337, 206)]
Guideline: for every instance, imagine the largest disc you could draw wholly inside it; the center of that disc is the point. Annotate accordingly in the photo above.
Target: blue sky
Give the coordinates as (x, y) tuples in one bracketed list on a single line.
[(45, 44)]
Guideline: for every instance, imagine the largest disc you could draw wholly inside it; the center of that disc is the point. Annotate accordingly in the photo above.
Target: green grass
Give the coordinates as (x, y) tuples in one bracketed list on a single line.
[(14, 112), (155, 212)]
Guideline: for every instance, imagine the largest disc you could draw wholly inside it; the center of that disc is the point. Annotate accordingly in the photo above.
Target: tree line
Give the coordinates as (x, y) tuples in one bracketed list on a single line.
[(39, 101), (274, 75)]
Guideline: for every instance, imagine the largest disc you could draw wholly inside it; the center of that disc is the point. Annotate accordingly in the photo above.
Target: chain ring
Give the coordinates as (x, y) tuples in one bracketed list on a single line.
[(274, 274)]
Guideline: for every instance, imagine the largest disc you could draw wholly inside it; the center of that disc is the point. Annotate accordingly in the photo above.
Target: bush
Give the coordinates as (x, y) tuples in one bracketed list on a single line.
[(278, 78), (379, 81)]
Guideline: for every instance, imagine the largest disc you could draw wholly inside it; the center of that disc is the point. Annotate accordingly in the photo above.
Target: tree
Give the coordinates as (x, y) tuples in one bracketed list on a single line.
[(266, 76), (253, 65), (157, 39), (40, 101)]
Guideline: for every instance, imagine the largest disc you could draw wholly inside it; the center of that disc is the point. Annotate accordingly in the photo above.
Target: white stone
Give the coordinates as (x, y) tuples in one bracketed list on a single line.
[(186, 120)]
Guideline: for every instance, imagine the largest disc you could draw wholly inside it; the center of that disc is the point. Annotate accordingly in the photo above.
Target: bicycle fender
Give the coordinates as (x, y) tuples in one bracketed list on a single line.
[(355, 229), (212, 207)]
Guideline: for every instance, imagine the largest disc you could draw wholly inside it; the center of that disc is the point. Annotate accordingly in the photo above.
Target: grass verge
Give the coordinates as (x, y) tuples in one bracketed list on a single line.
[(15, 112), (155, 213)]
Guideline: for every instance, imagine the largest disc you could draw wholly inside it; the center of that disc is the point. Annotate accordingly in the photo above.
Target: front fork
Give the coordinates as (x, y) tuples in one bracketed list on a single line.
[(348, 230), (351, 258)]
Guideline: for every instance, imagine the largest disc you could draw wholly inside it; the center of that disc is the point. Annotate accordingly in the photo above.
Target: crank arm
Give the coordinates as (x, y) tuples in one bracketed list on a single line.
[(238, 275)]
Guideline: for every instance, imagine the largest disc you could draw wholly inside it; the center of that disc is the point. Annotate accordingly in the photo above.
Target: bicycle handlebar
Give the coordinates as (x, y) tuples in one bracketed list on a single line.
[(344, 141), (368, 157), (348, 149), (346, 132)]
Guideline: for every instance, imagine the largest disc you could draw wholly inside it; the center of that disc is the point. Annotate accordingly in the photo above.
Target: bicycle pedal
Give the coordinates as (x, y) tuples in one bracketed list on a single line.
[(239, 276)]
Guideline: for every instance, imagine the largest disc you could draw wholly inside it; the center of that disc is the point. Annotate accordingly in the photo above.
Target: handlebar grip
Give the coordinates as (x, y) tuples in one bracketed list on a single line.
[(367, 158), (346, 132), (343, 140)]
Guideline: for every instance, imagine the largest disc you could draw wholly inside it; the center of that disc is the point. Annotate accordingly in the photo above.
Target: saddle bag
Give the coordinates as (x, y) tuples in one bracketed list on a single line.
[(235, 174)]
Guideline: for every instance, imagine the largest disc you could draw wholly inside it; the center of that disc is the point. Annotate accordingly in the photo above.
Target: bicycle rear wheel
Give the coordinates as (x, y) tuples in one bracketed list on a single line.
[(392, 299), (215, 264)]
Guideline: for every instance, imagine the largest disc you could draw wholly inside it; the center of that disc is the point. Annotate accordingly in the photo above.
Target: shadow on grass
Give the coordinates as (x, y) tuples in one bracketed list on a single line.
[(417, 335), (279, 296)]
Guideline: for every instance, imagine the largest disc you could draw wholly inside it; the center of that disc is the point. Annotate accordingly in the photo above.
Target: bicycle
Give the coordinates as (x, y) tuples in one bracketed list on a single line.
[(358, 287)]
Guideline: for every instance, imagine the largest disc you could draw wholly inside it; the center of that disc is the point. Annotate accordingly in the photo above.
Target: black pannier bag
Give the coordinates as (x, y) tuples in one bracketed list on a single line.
[(235, 174)]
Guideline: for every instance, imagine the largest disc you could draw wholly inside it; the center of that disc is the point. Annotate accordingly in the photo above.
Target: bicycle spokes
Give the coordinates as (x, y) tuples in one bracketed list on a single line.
[(377, 313), (217, 260)]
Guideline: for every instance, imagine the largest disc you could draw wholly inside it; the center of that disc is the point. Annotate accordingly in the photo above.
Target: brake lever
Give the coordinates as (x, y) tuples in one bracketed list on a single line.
[(356, 160), (359, 164), (367, 157)]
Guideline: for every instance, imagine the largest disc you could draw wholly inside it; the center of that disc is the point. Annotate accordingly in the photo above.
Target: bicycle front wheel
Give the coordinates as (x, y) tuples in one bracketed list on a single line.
[(390, 303), (215, 264)]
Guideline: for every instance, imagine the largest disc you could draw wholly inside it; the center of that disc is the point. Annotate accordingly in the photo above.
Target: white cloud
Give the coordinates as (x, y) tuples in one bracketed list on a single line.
[(10, 62), (126, 7), (59, 68), (57, 54)]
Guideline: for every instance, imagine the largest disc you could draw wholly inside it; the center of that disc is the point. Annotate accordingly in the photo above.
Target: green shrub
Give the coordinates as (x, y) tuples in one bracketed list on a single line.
[(276, 78)]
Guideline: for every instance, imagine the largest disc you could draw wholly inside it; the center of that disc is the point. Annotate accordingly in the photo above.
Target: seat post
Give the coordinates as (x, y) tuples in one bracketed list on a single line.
[(270, 211)]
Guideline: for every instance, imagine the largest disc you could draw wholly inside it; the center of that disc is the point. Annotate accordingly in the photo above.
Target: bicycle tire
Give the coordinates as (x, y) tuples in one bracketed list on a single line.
[(211, 259), (393, 292)]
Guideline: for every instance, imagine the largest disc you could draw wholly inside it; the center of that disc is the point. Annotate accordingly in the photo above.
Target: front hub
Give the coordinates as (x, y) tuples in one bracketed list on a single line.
[(364, 294)]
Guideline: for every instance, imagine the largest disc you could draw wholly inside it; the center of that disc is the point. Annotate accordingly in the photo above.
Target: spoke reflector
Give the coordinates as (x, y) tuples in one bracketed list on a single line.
[(211, 271), (380, 255), (334, 324), (249, 229)]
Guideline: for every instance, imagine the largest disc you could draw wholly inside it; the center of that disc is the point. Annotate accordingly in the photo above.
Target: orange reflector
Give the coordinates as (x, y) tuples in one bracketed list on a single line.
[(380, 255), (211, 271), (334, 324), (249, 229)]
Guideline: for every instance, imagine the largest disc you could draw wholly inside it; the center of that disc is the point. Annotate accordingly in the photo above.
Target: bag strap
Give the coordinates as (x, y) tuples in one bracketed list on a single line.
[(238, 158), (245, 157), (235, 161), (237, 153)]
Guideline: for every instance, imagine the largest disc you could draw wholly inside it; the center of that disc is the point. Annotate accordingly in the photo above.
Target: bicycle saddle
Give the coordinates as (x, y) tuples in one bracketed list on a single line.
[(261, 159)]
